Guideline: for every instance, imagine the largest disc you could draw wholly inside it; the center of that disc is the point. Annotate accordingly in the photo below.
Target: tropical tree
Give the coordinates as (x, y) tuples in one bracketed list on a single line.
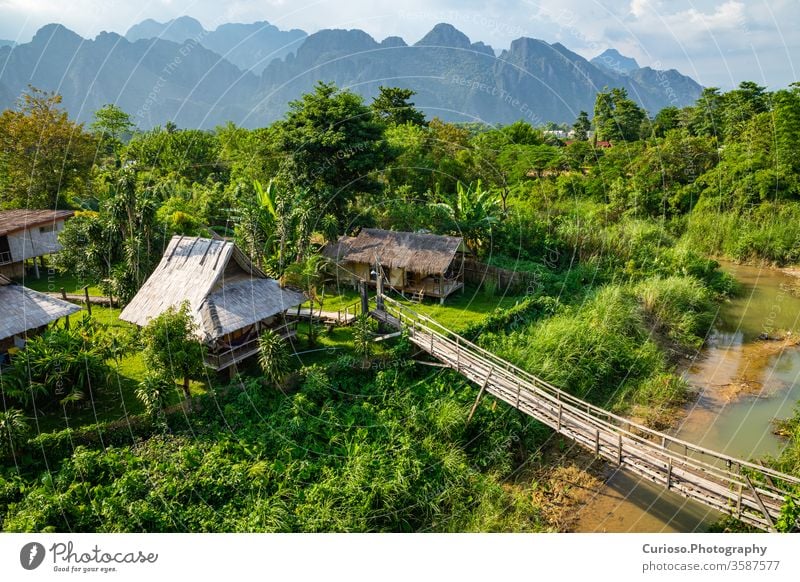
[(153, 392), (61, 365), (14, 428), (364, 335), (273, 357), (171, 346), (112, 127), (44, 156), (393, 106), (308, 274), (616, 117), (474, 212), (331, 143), (582, 126)]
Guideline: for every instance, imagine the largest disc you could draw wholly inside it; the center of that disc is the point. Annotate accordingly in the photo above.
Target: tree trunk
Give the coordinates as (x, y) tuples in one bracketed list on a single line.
[(186, 392)]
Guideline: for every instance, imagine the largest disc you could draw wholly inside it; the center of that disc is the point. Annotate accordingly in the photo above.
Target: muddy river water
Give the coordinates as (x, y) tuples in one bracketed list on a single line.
[(744, 383)]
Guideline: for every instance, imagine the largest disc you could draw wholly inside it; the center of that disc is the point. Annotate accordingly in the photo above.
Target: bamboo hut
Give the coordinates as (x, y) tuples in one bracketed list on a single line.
[(230, 299), (25, 312), (29, 234), (423, 265)]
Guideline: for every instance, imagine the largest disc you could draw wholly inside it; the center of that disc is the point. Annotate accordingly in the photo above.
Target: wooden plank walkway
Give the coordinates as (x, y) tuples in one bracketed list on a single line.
[(344, 316), (747, 491), (80, 298)]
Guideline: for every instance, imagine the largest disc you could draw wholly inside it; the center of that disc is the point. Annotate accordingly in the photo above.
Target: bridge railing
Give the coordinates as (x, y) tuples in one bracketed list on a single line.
[(703, 459)]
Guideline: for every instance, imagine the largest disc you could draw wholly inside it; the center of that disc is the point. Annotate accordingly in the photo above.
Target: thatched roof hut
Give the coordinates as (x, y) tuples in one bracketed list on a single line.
[(23, 309), (427, 254), (225, 291)]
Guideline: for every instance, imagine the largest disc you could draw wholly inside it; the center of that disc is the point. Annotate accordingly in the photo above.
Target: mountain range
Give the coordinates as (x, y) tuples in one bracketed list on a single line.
[(248, 73)]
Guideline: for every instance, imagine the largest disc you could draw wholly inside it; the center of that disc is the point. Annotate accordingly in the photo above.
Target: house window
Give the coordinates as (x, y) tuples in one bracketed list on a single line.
[(48, 228)]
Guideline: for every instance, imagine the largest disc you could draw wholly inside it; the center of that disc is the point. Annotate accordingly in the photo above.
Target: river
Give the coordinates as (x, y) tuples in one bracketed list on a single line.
[(743, 383)]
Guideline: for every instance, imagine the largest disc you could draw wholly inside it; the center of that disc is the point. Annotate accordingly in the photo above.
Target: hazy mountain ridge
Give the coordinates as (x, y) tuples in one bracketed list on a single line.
[(248, 46), (158, 79)]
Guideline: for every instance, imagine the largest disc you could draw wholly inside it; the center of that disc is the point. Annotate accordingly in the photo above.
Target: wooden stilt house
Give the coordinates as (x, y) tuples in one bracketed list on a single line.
[(423, 265), (25, 312), (230, 299)]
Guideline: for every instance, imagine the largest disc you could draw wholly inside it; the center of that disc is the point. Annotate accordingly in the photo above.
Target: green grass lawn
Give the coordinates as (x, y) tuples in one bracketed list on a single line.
[(462, 309), (333, 301), (52, 282)]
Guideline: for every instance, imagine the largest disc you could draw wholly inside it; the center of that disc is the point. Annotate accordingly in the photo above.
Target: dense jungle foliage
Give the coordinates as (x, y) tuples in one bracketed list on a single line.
[(615, 229)]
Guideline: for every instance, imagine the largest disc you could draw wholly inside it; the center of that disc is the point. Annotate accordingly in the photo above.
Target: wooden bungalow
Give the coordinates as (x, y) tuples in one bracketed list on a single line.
[(422, 265), (230, 299), (28, 234), (25, 312)]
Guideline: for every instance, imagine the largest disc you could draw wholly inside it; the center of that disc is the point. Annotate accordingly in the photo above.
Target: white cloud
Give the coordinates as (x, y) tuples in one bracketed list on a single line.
[(639, 7)]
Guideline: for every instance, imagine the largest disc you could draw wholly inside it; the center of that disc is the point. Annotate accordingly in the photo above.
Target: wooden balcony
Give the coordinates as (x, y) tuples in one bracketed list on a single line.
[(226, 357)]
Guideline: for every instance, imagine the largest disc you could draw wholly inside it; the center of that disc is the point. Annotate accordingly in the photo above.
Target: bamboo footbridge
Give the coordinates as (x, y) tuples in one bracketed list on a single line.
[(749, 492)]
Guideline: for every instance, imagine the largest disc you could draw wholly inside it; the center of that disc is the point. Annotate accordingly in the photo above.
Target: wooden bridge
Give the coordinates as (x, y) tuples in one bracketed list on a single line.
[(747, 491)]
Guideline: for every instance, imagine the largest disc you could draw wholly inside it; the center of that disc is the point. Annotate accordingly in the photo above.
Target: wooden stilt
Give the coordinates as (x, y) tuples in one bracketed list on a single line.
[(86, 295), (480, 393), (760, 503)]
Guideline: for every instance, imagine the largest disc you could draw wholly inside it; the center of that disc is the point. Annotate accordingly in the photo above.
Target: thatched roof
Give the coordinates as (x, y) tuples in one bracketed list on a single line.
[(22, 309), (16, 220), (224, 289), (428, 254)]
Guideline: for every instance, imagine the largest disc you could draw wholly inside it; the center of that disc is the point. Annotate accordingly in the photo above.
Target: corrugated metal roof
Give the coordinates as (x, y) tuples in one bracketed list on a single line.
[(15, 220)]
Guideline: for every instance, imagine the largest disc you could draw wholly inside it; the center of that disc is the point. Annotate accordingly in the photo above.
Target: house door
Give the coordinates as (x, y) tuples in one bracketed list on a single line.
[(5, 250)]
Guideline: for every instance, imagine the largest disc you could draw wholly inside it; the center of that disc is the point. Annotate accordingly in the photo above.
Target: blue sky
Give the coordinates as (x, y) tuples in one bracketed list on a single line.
[(717, 43)]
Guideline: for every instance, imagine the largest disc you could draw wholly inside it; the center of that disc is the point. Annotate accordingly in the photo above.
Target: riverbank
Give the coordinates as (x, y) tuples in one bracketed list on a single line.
[(743, 384)]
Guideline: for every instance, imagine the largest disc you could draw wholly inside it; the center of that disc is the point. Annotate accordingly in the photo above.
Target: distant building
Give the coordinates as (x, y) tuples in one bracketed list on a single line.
[(560, 133), (29, 234), (420, 264), (25, 312), (230, 299)]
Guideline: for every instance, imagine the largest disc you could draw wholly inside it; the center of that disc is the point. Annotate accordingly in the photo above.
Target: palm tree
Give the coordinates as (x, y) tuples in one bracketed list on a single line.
[(13, 429), (308, 274), (273, 357)]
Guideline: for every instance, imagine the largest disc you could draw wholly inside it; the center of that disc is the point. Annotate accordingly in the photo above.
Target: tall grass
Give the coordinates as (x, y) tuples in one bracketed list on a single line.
[(769, 232), (604, 350), (679, 307)]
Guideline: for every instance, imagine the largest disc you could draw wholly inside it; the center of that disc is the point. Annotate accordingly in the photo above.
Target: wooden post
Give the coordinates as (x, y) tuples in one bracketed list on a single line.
[(739, 502), (760, 503), (597, 442), (560, 411), (362, 290), (86, 295), (619, 450), (63, 294), (379, 281), (458, 356), (480, 393), (669, 474), (519, 392)]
